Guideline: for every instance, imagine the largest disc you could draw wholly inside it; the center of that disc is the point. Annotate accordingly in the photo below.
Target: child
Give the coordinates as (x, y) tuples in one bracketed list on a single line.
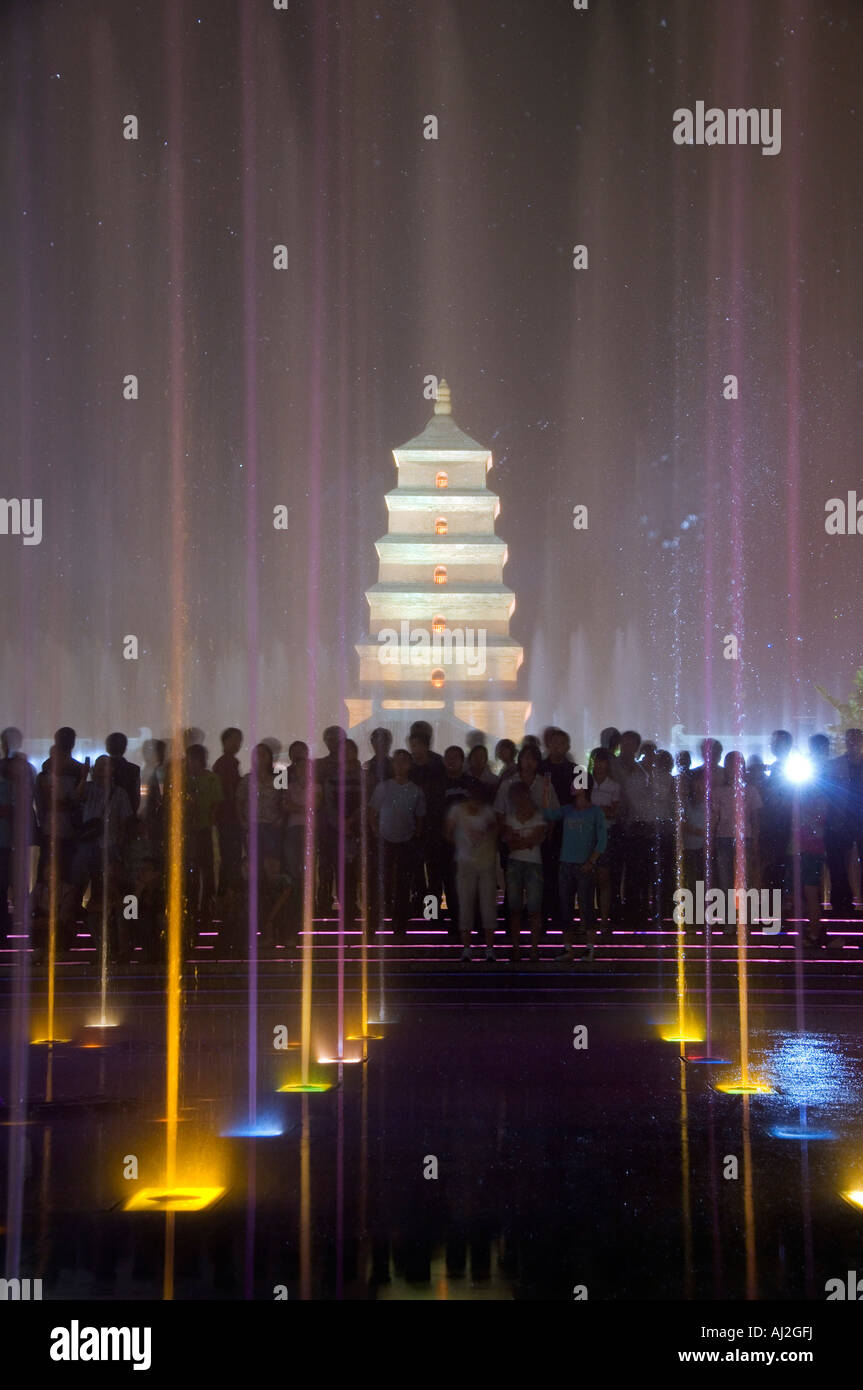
[(472, 827), (523, 831), (585, 838)]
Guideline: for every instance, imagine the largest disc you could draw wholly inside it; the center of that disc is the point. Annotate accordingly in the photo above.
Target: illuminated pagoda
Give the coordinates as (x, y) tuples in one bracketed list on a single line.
[(438, 646)]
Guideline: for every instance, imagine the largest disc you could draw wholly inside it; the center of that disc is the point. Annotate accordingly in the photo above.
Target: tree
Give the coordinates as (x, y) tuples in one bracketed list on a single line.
[(850, 711)]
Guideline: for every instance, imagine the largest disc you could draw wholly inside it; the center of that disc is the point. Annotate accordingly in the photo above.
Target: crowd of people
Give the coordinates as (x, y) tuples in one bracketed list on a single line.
[(533, 838)]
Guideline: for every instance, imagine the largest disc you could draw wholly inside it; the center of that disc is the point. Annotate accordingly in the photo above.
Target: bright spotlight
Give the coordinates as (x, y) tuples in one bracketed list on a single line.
[(798, 768)]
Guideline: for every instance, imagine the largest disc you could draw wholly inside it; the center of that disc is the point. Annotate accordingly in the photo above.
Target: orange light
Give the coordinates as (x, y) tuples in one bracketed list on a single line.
[(438, 624), (440, 574), (441, 480), (437, 679), (440, 526), (174, 1198), (744, 1088)]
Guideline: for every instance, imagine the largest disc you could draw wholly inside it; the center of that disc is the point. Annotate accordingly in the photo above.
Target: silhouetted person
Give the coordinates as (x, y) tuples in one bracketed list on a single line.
[(505, 751), (819, 752), (380, 765), (714, 778), (585, 838), (378, 768), (776, 815), (155, 814), (472, 827), (522, 826), (636, 816), (64, 742), (344, 804), (610, 739), (423, 730), (262, 806), (695, 831), (428, 773), (17, 784), (203, 795), (558, 766), (303, 800), (228, 826), (843, 786), (328, 829), (455, 789), (20, 830), (98, 858), (738, 806), (59, 812), (606, 794), (126, 775), (478, 771), (662, 797), (807, 856), (683, 762), (396, 813)]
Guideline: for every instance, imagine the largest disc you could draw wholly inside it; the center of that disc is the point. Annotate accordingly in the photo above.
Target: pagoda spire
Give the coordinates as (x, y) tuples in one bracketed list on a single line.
[(443, 404)]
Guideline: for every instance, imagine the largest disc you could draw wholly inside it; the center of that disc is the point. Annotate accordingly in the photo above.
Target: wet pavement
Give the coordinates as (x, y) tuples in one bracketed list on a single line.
[(513, 1132)]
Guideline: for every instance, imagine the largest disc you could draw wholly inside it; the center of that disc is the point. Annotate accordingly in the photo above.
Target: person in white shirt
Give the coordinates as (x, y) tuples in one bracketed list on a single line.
[(471, 825), (528, 774), (528, 762)]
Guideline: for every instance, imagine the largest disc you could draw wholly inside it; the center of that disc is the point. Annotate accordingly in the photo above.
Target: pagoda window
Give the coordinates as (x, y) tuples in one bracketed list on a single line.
[(441, 480), (440, 526), (438, 624), (440, 574)]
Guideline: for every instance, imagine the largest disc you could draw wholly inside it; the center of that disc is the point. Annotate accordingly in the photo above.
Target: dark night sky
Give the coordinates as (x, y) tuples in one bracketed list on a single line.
[(410, 257)]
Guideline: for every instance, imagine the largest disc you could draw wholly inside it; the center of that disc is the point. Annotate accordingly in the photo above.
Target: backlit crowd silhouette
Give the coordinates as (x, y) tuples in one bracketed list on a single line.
[(530, 839)]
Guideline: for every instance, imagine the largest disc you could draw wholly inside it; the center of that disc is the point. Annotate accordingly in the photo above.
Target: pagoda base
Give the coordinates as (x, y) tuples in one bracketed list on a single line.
[(451, 719)]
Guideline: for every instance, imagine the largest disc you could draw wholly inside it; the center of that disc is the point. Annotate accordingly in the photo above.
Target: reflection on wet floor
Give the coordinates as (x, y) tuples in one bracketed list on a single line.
[(510, 1133)]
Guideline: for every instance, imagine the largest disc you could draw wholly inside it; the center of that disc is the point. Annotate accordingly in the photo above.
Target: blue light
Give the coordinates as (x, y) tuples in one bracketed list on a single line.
[(800, 1132), (261, 1129), (810, 1069)]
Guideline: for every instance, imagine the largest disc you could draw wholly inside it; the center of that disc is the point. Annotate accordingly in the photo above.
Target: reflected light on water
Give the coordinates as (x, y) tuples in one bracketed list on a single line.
[(810, 1069)]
